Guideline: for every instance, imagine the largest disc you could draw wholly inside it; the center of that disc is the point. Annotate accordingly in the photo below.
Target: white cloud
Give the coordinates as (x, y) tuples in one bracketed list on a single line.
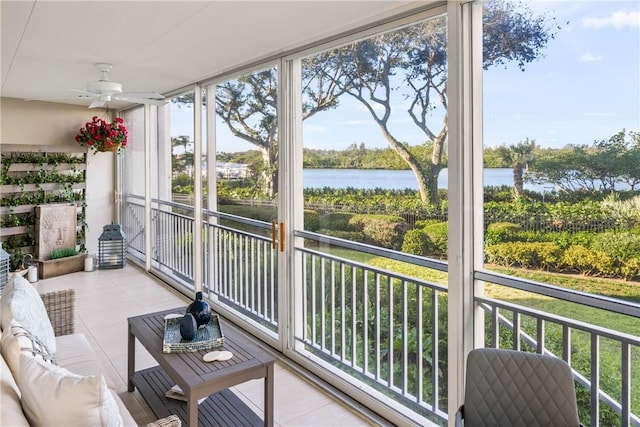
[(617, 20), (590, 57)]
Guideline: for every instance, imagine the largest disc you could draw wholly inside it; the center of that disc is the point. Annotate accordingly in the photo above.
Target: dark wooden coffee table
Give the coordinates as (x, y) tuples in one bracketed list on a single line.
[(196, 378)]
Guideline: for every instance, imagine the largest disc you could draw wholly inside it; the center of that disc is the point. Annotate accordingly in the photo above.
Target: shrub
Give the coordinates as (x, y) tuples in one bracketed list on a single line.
[(386, 231), (356, 236), (416, 242), (525, 254), (631, 268), (337, 221), (588, 262), (624, 211), (439, 237), (500, 232), (424, 222), (311, 220), (583, 238), (620, 245)]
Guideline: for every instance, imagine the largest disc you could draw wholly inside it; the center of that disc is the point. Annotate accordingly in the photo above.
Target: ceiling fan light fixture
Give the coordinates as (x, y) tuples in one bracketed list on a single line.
[(104, 87)]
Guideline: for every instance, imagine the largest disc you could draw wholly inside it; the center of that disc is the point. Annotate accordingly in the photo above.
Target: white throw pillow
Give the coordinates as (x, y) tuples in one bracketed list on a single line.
[(16, 340), (21, 301), (53, 396)]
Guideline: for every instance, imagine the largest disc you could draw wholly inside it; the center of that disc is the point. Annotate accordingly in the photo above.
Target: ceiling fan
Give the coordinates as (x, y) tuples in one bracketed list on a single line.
[(104, 90)]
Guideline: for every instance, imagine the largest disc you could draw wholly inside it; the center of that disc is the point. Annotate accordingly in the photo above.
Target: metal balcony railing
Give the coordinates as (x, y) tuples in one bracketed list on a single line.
[(381, 331)]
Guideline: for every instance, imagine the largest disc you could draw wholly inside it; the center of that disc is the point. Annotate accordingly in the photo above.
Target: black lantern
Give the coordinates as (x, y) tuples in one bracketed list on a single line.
[(112, 246)]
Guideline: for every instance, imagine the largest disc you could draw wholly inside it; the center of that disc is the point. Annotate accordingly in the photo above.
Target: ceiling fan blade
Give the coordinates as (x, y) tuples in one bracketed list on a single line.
[(63, 98), (97, 103), (85, 92), (153, 95), (141, 100)]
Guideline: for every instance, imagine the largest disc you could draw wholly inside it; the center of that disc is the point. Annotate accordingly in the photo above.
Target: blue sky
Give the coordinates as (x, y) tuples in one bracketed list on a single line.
[(585, 88)]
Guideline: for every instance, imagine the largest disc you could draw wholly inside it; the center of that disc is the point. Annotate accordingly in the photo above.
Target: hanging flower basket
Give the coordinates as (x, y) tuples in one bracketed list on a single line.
[(101, 136), (106, 148)]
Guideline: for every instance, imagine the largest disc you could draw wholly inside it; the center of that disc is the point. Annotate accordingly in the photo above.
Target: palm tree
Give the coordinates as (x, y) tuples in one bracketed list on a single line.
[(519, 156)]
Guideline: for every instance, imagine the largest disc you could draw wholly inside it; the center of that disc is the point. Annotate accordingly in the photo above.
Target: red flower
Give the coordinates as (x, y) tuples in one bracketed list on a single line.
[(98, 134)]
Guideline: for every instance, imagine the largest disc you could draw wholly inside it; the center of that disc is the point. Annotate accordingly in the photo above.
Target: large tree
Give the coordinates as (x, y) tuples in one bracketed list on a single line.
[(248, 107), (413, 61)]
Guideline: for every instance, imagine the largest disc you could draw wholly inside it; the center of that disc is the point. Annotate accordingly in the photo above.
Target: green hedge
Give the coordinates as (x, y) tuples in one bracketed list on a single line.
[(386, 231), (431, 239), (552, 257), (537, 255)]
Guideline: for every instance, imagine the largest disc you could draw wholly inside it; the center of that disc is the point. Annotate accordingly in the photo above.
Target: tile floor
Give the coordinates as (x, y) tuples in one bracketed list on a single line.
[(106, 298)]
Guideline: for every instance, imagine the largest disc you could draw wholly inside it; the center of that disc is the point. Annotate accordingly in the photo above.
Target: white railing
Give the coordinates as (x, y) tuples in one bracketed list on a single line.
[(381, 329), (241, 267), (384, 329), (133, 225)]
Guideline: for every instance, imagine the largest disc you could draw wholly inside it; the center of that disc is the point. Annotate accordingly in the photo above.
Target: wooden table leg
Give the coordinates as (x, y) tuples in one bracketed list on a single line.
[(192, 412), (268, 396), (131, 359)]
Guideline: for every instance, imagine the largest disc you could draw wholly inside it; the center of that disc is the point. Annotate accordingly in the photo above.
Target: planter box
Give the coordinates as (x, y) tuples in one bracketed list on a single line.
[(60, 266)]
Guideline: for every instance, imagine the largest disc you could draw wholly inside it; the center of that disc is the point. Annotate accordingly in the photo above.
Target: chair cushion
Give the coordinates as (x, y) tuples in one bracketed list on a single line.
[(514, 388), (53, 396), (21, 301)]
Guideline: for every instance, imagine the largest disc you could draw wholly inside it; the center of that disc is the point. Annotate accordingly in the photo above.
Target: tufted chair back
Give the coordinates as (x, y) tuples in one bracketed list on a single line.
[(514, 388)]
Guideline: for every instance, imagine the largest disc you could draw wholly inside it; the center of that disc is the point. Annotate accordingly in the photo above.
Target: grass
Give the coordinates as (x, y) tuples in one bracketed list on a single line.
[(62, 253)]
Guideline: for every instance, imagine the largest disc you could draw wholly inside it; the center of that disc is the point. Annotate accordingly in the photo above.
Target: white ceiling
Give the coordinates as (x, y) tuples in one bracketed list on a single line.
[(50, 47)]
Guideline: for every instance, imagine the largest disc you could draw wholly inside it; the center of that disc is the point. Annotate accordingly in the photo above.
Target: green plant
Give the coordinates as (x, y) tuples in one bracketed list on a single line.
[(355, 236), (588, 262), (621, 246), (544, 255), (500, 232), (62, 253), (631, 268), (438, 234), (416, 242), (102, 136), (382, 230)]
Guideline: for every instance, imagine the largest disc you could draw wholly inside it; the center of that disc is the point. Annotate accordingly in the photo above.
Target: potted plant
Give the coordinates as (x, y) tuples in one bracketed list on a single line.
[(99, 135), (63, 261)]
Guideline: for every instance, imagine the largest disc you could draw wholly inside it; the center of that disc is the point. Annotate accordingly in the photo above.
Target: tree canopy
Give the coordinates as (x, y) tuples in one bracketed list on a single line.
[(410, 62), (595, 167), (413, 61)]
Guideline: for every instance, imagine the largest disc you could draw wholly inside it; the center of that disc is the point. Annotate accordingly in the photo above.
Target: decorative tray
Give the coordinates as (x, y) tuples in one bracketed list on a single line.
[(208, 337)]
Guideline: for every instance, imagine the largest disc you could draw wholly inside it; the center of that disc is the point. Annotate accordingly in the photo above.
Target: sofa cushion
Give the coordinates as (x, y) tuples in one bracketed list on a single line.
[(10, 408), (53, 396), (77, 355), (21, 301)]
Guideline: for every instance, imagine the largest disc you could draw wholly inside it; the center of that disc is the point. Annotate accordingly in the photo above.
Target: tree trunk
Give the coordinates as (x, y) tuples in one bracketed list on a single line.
[(269, 172), (421, 175), (436, 165), (518, 181)]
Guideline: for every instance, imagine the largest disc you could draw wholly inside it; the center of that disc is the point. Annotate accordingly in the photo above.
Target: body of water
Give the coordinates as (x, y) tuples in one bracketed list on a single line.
[(398, 179)]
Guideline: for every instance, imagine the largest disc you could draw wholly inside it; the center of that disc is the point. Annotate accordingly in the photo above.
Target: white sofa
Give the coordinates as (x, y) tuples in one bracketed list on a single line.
[(49, 375)]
